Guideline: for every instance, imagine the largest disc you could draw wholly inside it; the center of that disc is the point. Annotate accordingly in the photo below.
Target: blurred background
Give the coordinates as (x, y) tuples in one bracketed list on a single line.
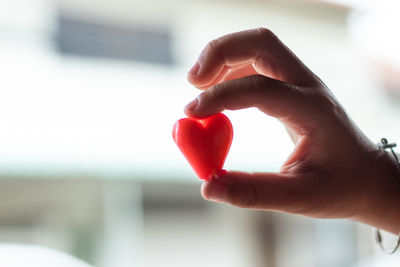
[(89, 91)]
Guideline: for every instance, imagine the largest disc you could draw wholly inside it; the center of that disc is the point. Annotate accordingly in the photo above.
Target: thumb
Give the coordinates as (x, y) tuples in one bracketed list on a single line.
[(267, 191)]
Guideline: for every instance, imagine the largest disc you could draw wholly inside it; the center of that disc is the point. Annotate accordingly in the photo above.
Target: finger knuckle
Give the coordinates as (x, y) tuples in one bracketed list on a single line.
[(244, 197), (215, 92), (327, 107), (265, 33), (215, 95), (258, 83), (215, 46), (260, 87)]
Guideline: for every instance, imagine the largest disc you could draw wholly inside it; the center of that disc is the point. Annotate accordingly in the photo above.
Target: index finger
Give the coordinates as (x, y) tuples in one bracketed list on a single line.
[(259, 47)]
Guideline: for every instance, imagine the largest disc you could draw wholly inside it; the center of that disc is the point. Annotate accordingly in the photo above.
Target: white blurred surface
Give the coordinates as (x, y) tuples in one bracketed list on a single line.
[(21, 255)]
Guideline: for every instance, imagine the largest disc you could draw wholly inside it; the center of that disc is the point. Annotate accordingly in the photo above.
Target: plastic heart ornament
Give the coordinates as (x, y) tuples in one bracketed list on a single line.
[(205, 143)]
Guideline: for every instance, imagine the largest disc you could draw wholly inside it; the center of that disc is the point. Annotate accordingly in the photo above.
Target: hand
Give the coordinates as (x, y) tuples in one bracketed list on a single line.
[(334, 170)]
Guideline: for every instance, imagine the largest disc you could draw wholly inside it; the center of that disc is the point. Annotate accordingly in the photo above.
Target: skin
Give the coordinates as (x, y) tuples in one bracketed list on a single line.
[(335, 171)]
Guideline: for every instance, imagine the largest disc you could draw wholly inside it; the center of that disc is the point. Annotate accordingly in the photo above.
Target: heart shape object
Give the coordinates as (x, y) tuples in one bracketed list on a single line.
[(205, 143)]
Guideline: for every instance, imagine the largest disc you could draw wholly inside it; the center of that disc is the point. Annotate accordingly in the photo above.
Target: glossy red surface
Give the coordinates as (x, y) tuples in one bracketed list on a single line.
[(205, 143)]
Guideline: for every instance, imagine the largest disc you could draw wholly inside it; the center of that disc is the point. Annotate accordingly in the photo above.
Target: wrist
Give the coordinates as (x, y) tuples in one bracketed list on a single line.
[(382, 205)]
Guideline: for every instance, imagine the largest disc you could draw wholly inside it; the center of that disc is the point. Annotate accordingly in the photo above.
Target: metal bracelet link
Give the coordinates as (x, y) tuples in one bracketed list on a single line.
[(378, 238), (383, 145)]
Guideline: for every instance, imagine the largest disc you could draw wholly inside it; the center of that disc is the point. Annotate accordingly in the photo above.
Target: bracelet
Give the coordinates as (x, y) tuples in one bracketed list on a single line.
[(383, 145)]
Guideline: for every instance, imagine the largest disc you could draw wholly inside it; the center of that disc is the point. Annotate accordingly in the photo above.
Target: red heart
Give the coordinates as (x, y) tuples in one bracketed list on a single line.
[(205, 143)]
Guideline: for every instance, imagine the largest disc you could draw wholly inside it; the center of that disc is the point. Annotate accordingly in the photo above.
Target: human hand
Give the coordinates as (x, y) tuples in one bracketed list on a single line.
[(335, 171)]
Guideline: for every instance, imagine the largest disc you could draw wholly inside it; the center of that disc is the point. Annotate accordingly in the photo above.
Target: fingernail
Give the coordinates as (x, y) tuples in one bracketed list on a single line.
[(195, 69), (192, 105), (216, 191), (220, 173)]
